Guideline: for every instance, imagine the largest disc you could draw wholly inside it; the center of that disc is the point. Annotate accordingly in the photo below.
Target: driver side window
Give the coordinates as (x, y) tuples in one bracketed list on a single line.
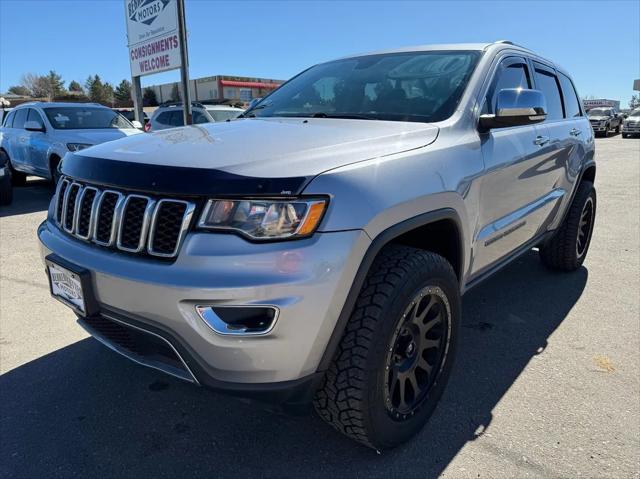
[(510, 74)]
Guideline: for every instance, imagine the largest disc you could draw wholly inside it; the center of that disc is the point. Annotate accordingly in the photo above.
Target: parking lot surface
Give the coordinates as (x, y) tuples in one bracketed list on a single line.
[(546, 384)]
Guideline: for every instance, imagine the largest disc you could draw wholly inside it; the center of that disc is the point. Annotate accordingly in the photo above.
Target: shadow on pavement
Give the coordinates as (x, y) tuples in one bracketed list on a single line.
[(86, 412), (33, 197)]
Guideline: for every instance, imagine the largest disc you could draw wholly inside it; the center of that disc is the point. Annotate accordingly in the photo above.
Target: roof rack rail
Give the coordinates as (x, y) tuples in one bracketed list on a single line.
[(179, 103), (509, 42)]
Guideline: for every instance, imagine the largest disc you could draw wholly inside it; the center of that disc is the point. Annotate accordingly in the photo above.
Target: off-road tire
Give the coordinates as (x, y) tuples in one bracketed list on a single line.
[(560, 253), (351, 398)]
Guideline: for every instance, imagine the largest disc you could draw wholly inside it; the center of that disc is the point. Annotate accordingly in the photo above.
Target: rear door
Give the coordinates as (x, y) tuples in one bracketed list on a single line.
[(516, 189)]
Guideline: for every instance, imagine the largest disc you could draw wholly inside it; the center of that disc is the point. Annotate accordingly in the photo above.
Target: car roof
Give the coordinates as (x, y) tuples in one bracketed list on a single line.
[(47, 104), (222, 107)]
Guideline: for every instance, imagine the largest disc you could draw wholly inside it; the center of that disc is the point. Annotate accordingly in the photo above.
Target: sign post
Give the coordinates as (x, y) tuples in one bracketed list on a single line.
[(157, 42), (184, 71)]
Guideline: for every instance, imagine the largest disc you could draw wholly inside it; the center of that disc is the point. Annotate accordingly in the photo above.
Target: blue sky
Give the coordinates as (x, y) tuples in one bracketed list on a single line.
[(597, 41)]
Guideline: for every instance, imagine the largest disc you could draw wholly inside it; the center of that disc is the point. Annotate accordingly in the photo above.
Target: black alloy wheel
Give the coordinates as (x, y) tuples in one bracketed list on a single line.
[(417, 352)]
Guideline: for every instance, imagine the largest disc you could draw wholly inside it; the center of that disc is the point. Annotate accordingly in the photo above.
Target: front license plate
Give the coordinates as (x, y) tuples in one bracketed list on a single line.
[(70, 285)]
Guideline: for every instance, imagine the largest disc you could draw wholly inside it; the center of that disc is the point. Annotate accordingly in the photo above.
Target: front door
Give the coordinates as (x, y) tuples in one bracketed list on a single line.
[(517, 189)]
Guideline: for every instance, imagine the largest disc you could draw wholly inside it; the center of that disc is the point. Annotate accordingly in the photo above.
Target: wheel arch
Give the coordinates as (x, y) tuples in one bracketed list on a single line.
[(445, 222), (54, 159)]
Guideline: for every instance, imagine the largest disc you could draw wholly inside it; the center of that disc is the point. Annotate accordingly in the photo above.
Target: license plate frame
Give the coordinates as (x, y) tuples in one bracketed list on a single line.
[(89, 305)]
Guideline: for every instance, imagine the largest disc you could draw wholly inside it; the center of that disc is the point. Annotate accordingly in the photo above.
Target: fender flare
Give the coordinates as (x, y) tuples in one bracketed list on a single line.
[(365, 265)]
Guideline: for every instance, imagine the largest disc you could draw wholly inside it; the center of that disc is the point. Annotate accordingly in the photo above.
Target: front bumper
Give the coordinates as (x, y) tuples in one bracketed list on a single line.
[(635, 129), (307, 280)]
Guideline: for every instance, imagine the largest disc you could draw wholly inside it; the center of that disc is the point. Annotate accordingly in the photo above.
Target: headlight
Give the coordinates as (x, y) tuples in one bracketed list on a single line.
[(78, 146), (264, 219)]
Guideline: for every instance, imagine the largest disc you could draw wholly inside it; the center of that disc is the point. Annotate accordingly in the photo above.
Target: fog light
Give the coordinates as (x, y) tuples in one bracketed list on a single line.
[(239, 320)]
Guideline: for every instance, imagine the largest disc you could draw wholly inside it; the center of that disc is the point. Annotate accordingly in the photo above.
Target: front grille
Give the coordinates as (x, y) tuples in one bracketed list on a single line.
[(134, 220), (70, 206), (129, 222)]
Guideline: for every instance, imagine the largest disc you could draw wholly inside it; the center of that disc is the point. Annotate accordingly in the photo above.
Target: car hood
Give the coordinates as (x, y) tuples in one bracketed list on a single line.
[(269, 147), (600, 118), (94, 137)]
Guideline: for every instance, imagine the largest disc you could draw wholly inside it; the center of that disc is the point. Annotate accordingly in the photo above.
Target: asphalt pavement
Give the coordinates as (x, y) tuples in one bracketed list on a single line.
[(546, 383)]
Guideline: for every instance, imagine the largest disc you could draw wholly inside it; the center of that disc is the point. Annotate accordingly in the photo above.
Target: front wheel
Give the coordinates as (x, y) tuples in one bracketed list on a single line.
[(568, 248), (397, 350)]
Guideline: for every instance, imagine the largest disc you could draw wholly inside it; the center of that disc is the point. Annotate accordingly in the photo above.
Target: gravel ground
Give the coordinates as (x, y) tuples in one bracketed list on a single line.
[(546, 384)]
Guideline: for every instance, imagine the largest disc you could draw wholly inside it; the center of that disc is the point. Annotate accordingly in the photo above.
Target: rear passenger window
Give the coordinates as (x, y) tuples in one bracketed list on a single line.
[(571, 102), (515, 75), (20, 118), (548, 84), (35, 116)]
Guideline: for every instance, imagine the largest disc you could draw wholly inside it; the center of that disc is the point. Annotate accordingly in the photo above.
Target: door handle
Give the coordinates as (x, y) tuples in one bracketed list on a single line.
[(575, 132), (541, 140)]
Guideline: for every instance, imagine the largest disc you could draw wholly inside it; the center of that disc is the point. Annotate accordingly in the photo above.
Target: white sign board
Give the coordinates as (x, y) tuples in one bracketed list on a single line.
[(152, 29)]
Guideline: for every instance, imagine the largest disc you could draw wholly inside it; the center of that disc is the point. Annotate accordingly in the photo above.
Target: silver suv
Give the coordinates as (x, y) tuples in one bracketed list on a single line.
[(317, 249), (35, 136), (171, 115)]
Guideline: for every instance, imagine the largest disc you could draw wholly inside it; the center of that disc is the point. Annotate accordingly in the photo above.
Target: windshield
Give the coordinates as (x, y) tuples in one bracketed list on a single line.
[(635, 113), (414, 86), (599, 112), (224, 115), (85, 118)]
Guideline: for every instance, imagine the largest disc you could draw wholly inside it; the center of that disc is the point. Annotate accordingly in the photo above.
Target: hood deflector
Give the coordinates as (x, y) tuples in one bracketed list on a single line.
[(175, 180)]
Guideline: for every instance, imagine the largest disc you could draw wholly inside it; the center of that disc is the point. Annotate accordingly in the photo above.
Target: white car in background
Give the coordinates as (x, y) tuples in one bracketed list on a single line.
[(35, 136), (170, 115)]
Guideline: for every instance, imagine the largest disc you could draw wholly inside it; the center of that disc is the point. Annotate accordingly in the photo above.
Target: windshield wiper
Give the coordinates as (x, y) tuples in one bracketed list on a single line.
[(250, 114), (346, 116)]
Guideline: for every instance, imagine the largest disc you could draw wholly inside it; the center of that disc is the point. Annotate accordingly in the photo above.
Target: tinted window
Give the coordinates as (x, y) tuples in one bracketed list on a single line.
[(548, 84), (35, 116), (571, 102), (20, 118), (515, 75), (164, 117), (176, 118), (224, 115), (412, 86), (9, 120), (84, 118), (199, 117)]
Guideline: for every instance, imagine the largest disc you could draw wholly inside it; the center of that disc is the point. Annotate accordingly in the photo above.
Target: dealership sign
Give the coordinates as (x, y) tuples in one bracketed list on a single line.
[(152, 30)]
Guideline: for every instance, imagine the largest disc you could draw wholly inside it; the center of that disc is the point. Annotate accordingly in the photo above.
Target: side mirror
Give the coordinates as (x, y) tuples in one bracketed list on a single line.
[(33, 126), (516, 107), (137, 124)]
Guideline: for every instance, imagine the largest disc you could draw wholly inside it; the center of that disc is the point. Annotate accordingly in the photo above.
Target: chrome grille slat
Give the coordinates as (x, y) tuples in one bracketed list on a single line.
[(134, 223), (168, 247), (70, 204), (126, 221), (83, 216), (107, 218)]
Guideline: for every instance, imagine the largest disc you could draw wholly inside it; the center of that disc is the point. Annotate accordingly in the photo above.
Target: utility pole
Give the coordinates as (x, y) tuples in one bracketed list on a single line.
[(184, 70)]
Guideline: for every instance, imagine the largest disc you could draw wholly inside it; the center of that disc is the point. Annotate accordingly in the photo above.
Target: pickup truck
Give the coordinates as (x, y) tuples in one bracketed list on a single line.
[(605, 120)]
